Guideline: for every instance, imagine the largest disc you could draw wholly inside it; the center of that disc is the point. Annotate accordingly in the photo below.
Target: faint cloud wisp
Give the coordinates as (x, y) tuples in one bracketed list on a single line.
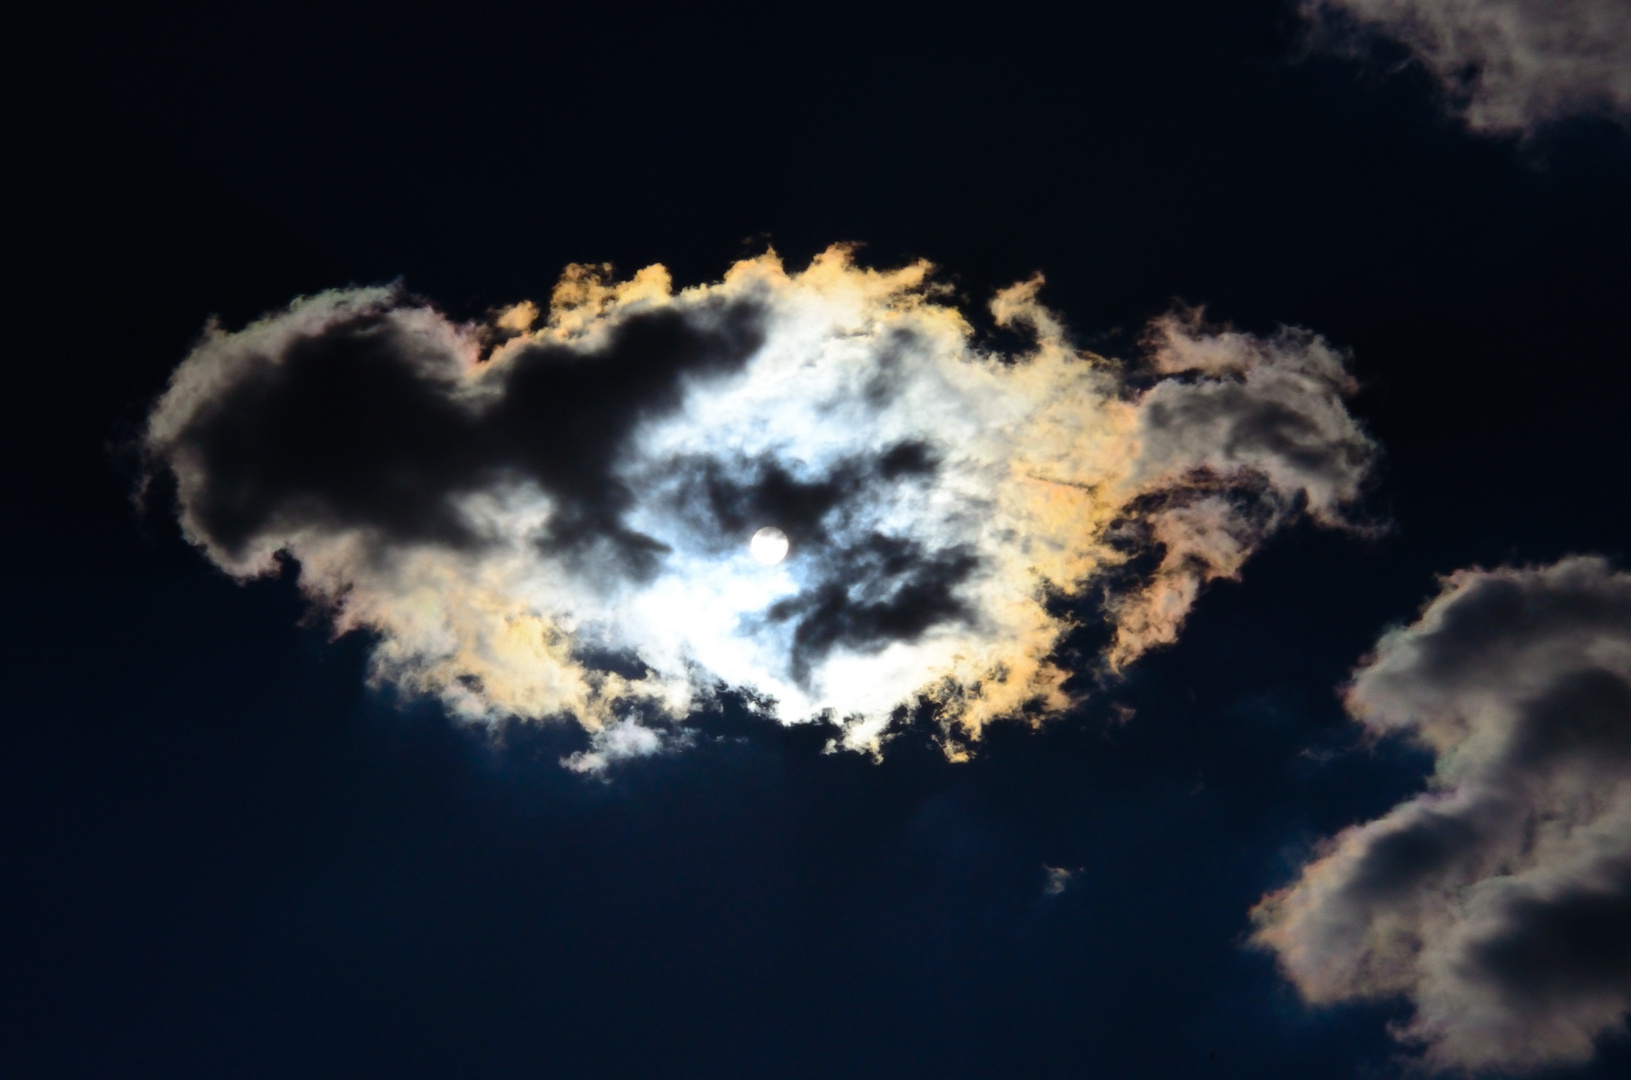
[(1506, 66)]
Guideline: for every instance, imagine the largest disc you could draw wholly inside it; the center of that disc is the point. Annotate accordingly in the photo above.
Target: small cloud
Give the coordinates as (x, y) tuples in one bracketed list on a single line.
[(617, 742), (1059, 879)]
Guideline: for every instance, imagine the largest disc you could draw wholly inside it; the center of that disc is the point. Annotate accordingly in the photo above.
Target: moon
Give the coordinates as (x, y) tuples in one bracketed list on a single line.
[(768, 546)]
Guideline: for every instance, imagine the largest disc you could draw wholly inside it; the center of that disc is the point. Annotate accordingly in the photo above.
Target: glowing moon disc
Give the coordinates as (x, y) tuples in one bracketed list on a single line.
[(768, 546)]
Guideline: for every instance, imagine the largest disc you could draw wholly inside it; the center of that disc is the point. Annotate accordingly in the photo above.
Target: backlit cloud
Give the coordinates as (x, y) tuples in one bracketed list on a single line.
[(1499, 901), (1506, 65), (548, 513)]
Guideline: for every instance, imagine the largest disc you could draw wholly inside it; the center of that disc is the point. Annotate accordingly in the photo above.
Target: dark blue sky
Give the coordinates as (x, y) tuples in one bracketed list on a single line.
[(225, 856)]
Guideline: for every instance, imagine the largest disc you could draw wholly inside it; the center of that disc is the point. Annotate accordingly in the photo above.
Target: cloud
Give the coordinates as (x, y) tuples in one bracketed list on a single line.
[(1506, 66), (546, 513), (621, 740), (1498, 901), (1058, 879)]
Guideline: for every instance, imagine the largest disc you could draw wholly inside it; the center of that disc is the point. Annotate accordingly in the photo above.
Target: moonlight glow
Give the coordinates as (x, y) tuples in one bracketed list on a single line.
[(768, 546)]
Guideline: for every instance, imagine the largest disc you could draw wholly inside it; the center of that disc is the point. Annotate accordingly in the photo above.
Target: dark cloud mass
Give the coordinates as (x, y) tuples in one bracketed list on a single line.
[(359, 424), (880, 590), (504, 502), (1499, 901)]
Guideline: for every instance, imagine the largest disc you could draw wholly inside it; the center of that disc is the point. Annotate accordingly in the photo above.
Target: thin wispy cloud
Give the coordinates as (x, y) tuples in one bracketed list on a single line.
[(548, 512), (1506, 66), (1499, 900)]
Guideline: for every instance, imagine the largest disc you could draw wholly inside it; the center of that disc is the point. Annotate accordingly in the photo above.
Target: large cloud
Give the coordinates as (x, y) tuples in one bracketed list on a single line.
[(1499, 901), (548, 515), (1506, 65)]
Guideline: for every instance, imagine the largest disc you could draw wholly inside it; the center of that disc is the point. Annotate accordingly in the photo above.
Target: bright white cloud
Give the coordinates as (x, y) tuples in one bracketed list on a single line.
[(554, 519)]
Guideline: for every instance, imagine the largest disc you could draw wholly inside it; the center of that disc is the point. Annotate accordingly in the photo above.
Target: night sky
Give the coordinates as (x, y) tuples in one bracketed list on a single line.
[(236, 845)]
